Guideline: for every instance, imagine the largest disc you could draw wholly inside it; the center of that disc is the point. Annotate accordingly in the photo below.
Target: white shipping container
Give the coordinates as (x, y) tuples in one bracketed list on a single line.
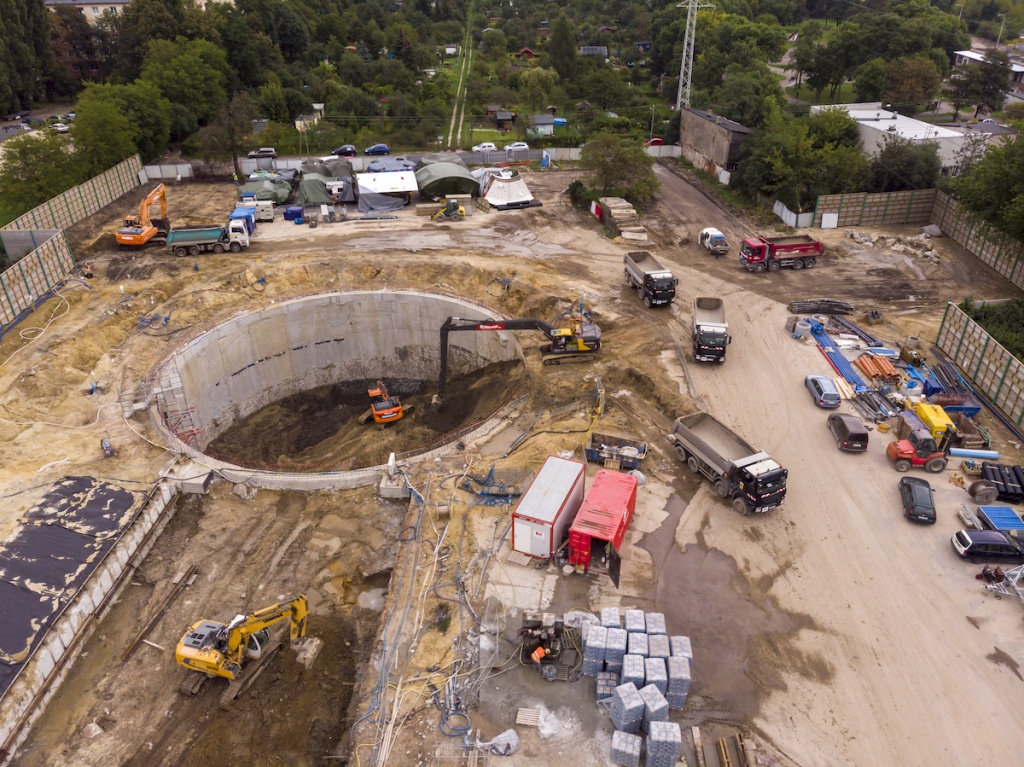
[(548, 507)]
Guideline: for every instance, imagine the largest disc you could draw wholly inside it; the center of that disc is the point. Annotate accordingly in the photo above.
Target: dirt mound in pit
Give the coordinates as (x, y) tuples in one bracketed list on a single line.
[(320, 429)]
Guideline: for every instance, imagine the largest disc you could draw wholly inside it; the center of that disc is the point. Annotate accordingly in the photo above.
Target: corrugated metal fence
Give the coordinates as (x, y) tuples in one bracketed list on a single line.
[(991, 369), (36, 240), (861, 209)]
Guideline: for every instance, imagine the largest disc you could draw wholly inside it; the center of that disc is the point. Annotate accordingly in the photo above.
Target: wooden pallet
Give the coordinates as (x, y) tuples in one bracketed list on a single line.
[(518, 558), (528, 717)]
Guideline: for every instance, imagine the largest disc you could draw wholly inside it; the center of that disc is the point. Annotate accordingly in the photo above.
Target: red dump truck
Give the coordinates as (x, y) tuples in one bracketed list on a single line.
[(797, 251)]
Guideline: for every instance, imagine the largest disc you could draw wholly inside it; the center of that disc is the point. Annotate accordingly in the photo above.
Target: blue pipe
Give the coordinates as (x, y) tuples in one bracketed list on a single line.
[(961, 452)]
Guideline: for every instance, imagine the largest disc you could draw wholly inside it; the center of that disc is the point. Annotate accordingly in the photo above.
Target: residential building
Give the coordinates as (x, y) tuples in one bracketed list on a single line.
[(1016, 70), (594, 50), (542, 125), (94, 9)]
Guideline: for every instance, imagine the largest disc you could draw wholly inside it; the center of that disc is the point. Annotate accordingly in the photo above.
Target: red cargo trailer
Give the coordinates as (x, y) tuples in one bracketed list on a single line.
[(547, 507), (599, 529)]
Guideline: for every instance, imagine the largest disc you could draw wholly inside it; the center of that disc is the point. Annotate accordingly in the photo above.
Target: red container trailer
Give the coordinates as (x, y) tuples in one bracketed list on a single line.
[(599, 529), (547, 507)]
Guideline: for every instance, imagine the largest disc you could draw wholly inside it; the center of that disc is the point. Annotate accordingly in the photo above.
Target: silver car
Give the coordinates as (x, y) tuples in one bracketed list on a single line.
[(823, 391)]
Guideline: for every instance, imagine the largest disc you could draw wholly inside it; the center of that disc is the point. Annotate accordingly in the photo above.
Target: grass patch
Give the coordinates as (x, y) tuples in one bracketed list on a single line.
[(846, 95)]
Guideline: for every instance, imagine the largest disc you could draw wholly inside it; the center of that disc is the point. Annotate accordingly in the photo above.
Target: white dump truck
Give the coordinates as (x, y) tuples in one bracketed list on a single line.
[(714, 241), (749, 477), (710, 330), (654, 283)]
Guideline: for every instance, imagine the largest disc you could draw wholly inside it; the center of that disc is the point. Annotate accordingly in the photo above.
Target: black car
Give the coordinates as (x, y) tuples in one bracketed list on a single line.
[(918, 503), (345, 150), (988, 546)]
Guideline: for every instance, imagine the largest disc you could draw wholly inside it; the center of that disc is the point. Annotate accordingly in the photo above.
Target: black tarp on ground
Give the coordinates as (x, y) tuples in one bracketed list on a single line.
[(48, 559), (371, 202)]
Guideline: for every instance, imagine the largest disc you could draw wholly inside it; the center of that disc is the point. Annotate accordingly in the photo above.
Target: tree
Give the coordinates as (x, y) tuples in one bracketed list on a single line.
[(801, 55), (535, 87), (141, 103), (994, 188), (224, 135), (910, 82), (24, 53), (140, 22), (745, 91), (103, 137), (903, 164), (869, 80), (993, 81), (620, 168), (561, 48), (35, 169), (192, 73), (963, 88)]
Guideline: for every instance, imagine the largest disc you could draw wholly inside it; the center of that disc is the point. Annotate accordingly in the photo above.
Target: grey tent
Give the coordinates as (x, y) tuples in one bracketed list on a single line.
[(312, 191), (446, 178), (333, 167), (436, 157), (267, 189), (373, 202)]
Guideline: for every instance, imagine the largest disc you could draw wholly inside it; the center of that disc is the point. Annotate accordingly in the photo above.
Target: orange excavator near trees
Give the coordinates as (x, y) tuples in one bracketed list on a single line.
[(141, 228)]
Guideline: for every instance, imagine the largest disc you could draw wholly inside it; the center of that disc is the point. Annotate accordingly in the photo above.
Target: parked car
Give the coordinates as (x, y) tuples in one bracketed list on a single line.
[(849, 431), (59, 127), (918, 500), (377, 149), (987, 546), (517, 146), (14, 117), (70, 116), (487, 146), (655, 142), (263, 151), (823, 391), (345, 150)]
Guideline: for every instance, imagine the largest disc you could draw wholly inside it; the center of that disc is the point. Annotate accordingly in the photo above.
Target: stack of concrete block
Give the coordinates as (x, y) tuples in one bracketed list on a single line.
[(635, 623), (678, 681), (621, 218), (593, 650), (658, 646), (628, 709), (611, 618), (681, 646), (633, 670), (607, 681), (655, 706), (615, 650), (626, 749), (637, 645), (664, 744), (655, 623), (656, 673)]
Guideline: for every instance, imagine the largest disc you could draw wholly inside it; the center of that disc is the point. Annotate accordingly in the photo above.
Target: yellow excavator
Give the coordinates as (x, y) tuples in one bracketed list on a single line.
[(141, 228), (238, 651)]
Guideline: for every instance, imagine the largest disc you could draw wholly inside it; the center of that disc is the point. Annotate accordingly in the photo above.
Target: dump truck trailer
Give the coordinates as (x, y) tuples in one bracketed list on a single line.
[(710, 330), (750, 477), (193, 240), (654, 284), (798, 251)]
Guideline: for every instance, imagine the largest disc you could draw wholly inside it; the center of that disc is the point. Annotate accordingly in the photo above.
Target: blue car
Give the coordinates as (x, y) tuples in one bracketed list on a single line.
[(377, 149)]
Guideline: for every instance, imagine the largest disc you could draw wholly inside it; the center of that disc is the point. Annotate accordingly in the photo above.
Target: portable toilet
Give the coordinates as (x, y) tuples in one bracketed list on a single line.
[(547, 507)]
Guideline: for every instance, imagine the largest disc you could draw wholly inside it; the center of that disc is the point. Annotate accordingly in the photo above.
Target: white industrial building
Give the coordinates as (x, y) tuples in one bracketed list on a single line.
[(877, 122)]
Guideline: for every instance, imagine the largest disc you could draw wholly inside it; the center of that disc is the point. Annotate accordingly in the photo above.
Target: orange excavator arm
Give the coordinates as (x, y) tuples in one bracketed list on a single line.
[(139, 228)]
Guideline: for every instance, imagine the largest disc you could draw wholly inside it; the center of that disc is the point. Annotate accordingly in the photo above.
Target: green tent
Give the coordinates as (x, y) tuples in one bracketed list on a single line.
[(312, 191), (444, 178), (266, 189)]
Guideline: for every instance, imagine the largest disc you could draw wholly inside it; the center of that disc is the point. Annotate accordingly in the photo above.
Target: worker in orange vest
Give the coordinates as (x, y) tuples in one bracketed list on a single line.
[(538, 656)]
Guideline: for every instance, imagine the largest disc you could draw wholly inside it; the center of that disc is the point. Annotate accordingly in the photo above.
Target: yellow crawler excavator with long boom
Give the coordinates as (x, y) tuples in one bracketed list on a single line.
[(238, 651)]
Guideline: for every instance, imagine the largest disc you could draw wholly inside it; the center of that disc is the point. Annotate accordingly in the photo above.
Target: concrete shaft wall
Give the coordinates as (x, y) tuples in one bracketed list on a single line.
[(252, 360)]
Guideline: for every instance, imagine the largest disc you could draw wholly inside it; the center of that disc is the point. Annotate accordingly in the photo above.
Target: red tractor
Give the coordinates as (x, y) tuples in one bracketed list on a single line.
[(918, 449)]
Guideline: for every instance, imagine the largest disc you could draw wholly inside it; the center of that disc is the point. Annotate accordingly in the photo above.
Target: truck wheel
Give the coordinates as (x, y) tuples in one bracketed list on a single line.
[(809, 263), (694, 464), (935, 465), (193, 250), (902, 465), (181, 250), (456, 217), (773, 266), (759, 268), (236, 248), (798, 264), (722, 488), (647, 301), (681, 453), (625, 274), (740, 505), (640, 292), (218, 248)]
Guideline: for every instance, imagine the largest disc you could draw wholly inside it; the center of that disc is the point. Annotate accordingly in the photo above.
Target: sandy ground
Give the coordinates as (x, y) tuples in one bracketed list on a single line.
[(831, 628)]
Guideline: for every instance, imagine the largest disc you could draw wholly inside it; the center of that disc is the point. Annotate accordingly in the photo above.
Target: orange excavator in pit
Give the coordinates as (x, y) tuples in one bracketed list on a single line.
[(385, 409), (142, 229)]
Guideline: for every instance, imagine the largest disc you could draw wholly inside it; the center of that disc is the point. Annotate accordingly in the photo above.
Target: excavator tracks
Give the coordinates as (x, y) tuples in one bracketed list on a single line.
[(565, 359)]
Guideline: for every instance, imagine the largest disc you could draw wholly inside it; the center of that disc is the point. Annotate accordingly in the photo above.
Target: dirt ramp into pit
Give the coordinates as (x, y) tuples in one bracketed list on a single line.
[(226, 373)]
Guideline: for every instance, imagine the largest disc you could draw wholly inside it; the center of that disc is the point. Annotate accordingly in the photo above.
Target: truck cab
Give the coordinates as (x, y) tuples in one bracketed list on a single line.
[(659, 287)]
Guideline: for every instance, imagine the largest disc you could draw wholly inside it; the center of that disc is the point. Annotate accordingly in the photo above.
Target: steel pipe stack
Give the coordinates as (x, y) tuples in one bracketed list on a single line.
[(1008, 480)]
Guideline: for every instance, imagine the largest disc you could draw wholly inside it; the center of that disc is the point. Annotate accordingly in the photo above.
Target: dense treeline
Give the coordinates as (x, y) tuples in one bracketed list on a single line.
[(24, 53), (1004, 322)]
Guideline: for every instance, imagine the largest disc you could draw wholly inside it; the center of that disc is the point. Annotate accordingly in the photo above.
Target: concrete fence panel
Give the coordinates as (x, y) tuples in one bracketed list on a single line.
[(25, 283), (991, 246), (861, 209), (990, 368)]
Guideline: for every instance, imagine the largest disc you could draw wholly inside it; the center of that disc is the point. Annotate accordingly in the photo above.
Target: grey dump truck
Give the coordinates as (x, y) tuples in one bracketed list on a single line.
[(655, 284), (750, 477), (710, 330)]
